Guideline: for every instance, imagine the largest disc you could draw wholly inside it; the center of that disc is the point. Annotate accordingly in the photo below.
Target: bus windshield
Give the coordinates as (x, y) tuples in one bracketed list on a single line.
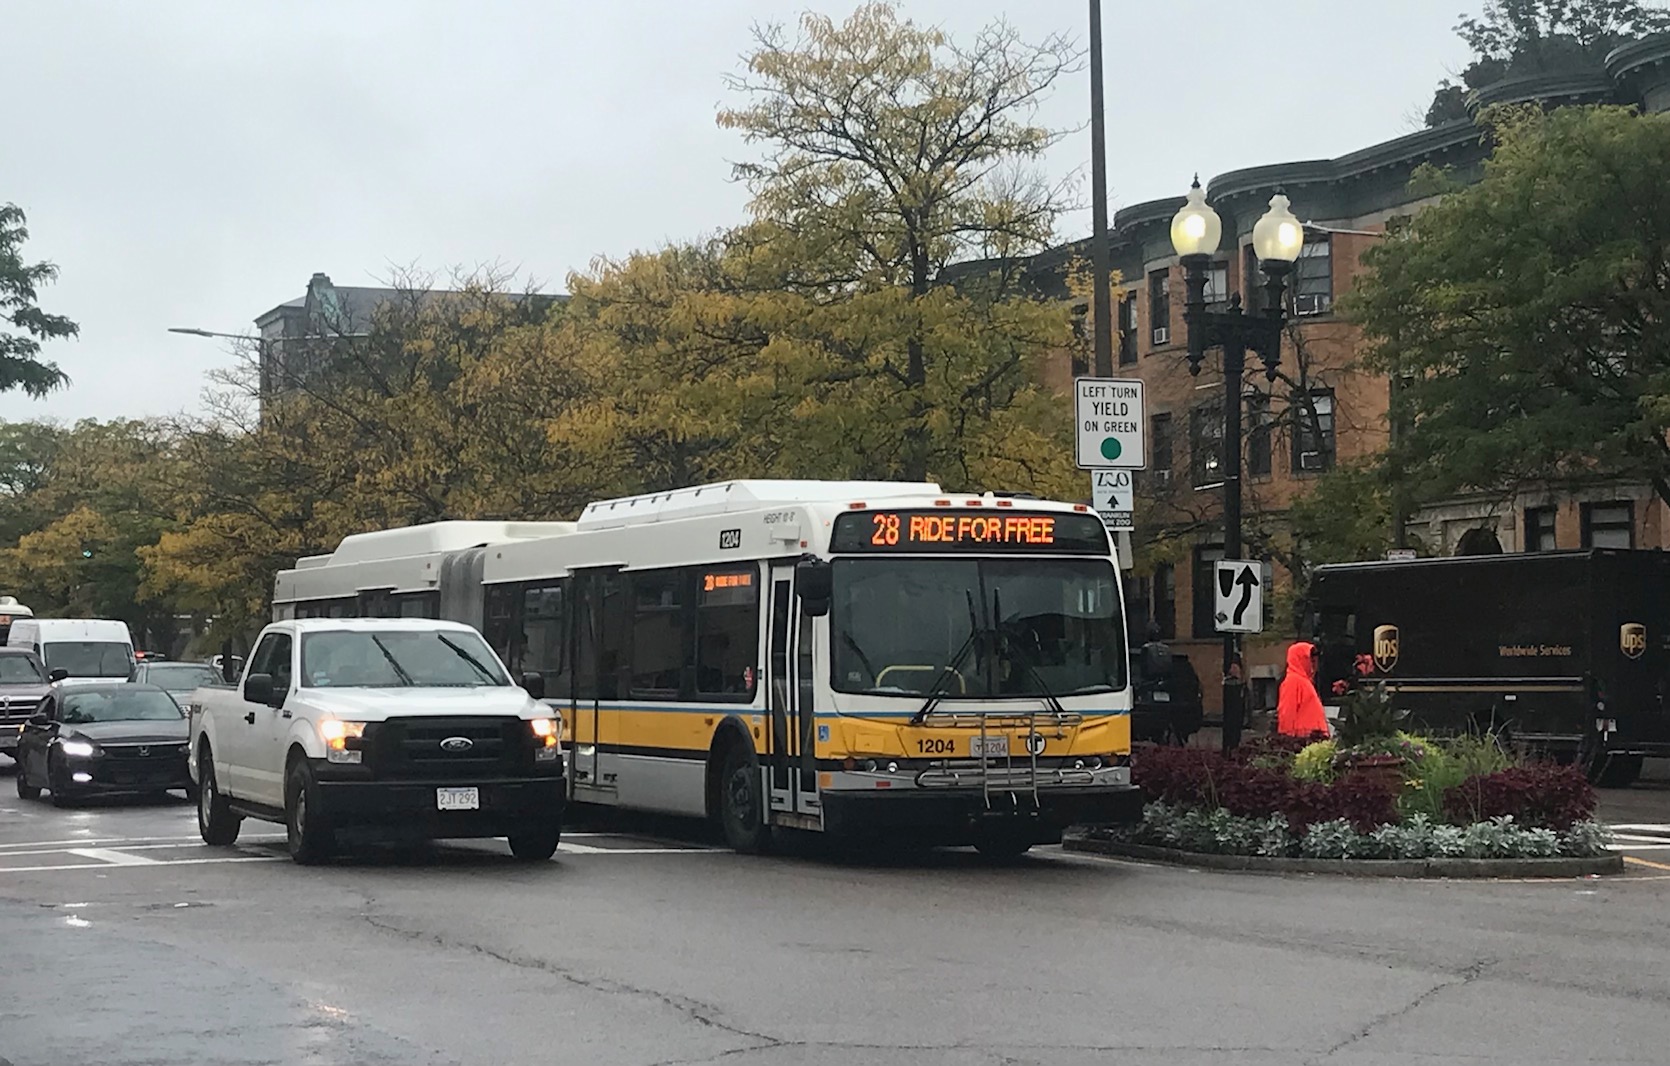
[(976, 627)]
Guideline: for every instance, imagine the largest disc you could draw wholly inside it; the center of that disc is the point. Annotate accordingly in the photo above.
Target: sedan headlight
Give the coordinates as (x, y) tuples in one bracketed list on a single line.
[(547, 734), (337, 735), (79, 749)]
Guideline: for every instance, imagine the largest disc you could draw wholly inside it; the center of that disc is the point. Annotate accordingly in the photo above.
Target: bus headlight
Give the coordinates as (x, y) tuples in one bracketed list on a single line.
[(547, 733), (337, 734)]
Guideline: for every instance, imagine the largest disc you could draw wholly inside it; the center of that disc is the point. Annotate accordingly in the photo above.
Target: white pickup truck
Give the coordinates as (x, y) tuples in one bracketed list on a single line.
[(406, 728)]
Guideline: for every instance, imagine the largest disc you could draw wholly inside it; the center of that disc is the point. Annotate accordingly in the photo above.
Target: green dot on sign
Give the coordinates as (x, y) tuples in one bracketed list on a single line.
[(1111, 448)]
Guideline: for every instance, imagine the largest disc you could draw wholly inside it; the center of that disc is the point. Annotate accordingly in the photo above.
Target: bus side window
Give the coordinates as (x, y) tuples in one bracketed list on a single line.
[(660, 633), (544, 635)]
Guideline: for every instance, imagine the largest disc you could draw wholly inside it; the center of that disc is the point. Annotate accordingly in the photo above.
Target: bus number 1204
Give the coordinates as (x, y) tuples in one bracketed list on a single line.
[(934, 746)]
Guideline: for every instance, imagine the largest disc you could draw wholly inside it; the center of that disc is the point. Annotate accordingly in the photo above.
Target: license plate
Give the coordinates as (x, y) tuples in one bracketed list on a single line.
[(1162, 697), (988, 747), (458, 799)]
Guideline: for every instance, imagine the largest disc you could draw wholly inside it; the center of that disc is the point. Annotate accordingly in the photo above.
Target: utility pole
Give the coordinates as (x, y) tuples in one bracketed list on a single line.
[(1102, 306)]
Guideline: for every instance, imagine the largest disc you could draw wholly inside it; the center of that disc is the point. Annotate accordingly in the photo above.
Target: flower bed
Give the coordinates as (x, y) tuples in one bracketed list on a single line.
[(1451, 799)]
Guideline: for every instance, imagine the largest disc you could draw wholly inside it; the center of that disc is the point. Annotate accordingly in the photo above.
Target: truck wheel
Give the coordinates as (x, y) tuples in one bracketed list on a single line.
[(57, 782), (536, 842), (741, 810), (216, 822), (24, 789), (308, 835), (1002, 844)]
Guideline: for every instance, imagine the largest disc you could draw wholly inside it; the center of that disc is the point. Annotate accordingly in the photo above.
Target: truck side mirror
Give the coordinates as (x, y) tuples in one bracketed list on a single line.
[(258, 688), (814, 583), (535, 684), (58, 675)]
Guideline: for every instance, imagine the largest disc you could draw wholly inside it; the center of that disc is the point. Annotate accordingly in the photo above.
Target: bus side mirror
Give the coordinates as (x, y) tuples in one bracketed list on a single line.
[(814, 583)]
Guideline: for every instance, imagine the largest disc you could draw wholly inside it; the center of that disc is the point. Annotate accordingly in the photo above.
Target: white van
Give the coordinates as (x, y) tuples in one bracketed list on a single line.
[(77, 647)]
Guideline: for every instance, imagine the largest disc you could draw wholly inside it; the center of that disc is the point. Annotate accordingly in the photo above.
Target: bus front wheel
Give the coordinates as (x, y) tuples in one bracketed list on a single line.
[(741, 809)]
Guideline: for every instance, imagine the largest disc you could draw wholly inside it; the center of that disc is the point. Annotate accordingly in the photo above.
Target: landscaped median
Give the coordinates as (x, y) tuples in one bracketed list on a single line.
[(1394, 806)]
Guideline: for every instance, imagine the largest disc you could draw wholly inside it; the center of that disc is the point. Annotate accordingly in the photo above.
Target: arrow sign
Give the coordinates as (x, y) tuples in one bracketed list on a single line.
[(1239, 596)]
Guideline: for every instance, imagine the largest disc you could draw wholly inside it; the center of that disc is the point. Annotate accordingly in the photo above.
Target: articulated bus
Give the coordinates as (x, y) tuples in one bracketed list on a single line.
[(860, 658)]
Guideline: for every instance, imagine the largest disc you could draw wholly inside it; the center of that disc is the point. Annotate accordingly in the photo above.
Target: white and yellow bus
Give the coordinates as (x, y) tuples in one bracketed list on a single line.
[(862, 658)]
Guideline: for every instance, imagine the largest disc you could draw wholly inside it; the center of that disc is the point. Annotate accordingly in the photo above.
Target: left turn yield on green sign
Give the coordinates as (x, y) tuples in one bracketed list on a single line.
[(1110, 426)]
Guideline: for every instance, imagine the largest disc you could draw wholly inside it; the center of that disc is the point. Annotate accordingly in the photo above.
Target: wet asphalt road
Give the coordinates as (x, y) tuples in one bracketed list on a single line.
[(125, 941)]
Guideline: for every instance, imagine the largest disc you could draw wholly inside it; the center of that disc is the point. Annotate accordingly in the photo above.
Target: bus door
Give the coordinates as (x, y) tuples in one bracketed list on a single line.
[(599, 601), (790, 747)]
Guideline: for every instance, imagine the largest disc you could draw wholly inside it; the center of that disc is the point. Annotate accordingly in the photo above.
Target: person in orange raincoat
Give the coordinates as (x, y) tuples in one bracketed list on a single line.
[(1299, 709)]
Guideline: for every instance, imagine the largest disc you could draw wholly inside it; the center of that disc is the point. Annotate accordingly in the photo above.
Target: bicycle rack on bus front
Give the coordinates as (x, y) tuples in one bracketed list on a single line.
[(999, 773)]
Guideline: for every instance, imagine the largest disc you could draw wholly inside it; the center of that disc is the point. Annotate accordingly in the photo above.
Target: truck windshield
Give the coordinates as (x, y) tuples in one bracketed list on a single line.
[(89, 658), (19, 670), (398, 659), (991, 627)]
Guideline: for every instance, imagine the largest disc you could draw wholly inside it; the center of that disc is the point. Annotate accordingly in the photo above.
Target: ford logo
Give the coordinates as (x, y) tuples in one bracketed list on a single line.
[(457, 744)]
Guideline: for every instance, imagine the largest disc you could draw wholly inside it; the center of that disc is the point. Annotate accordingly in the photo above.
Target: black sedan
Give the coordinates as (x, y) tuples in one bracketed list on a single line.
[(99, 738)]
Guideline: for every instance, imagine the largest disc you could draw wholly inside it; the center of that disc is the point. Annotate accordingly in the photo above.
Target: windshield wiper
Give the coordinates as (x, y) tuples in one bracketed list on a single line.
[(405, 678), (851, 642), (976, 631), (475, 663)]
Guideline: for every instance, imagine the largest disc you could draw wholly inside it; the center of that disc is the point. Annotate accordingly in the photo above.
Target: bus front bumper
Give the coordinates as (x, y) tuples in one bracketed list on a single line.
[(953, 816)]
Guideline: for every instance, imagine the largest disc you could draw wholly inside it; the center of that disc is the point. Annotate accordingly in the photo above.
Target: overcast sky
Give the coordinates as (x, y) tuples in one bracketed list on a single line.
[(193, 163)]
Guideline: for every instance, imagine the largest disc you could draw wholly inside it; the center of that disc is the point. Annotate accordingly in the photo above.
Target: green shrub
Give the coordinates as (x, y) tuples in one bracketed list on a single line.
[(1316, 762)]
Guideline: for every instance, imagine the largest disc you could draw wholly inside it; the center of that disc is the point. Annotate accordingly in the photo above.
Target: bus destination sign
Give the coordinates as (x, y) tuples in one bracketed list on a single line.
[(969, 531)]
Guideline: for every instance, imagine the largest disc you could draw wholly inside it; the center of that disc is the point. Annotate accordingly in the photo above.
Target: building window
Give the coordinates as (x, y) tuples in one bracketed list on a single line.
[(1159, 308), (1127, 320), (1205, 576), (1313, 431), (1217, 287), (1609, 525), (1159, 445), (1539, 529), (1313, 276), (1206, 444), (1258, 433), (1163, 610)]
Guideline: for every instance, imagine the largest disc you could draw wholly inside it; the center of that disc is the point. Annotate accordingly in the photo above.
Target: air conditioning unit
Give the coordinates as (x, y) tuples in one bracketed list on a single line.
[(1313, 303), (1310, 461), (1162, 335)]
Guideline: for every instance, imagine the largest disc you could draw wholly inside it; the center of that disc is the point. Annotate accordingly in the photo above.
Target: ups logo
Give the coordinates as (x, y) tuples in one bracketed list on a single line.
[(1632, 639), (1385, 647)]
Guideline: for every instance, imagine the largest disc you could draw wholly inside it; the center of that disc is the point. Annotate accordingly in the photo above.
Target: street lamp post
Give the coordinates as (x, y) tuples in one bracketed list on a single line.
[(1277, 239)]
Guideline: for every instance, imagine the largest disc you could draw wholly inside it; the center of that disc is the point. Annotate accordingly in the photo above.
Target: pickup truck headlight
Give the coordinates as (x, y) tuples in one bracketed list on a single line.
[(79, 749), (547, 734), (336, 734)]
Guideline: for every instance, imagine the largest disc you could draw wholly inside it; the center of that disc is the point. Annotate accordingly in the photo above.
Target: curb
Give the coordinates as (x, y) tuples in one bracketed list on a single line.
[(1558, 867)]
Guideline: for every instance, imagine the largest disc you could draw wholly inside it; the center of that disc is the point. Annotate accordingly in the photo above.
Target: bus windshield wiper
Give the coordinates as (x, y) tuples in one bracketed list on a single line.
[(976, 631), (850, 641), (462, 653), (405, 678)]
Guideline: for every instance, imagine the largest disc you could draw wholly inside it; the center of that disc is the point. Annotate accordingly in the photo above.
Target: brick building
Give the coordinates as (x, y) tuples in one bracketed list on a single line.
[(1321, 410)]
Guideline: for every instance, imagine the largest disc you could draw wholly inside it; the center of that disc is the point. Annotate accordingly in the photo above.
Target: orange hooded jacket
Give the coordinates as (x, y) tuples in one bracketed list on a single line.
[(1299, 709)]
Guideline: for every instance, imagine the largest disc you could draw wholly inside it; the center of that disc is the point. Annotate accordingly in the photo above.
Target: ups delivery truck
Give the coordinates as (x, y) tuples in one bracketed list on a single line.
[(1565, 653)]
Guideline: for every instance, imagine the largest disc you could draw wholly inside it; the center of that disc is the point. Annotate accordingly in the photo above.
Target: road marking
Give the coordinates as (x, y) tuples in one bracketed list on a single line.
[(121, 866), (1644, 862), (1647, 827), (115, 858)]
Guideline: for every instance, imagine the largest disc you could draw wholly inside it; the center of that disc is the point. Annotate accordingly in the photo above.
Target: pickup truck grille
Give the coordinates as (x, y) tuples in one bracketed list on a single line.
[(420, 748)]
